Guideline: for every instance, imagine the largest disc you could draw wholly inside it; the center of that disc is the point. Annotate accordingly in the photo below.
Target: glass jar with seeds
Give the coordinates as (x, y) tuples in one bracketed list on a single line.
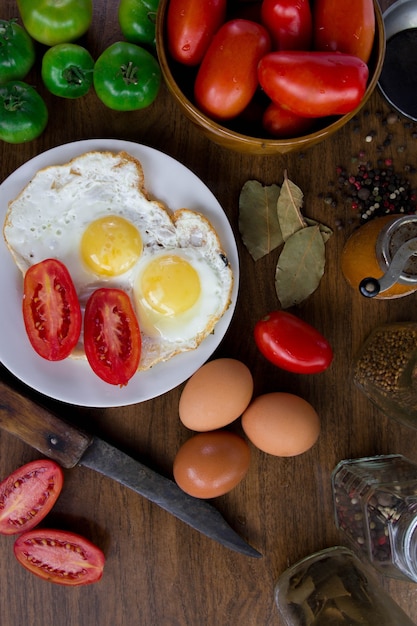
[(385, 369), (333, 587), (375, 507)]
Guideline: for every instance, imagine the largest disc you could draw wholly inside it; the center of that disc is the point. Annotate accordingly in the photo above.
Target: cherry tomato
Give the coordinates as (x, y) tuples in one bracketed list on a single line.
[(60, 556), (227, 77), (51, 310), (292, 344), (67, 70), (126, 77), (280, 122), (28, 494), (112, 338), (313, 84), (191, 26), (289, 22), (346, 25), (17, 51), (137, 19), (51, 22), (23, 112)]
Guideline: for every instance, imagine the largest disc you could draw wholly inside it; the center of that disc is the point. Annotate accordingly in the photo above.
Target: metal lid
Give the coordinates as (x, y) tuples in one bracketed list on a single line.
[(390, 240)]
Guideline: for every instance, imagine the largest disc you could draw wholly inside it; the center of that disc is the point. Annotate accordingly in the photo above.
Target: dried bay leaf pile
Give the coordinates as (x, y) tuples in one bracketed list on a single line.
[(269, 217)]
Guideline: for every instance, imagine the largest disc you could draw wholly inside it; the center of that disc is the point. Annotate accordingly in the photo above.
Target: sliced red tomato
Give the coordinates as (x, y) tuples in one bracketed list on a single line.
[(191, 26), (346, 25), (112, 338), (60, 556), (292, 344), (290, 23), (282, 123), (314, 84), (28, 494), (51, 311), (227, 77)]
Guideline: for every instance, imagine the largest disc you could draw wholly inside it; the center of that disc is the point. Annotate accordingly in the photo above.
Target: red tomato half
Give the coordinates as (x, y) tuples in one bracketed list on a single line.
[(112, 338), (227, 78), (28, 494), (280, 122), (60, 556), (290, 23), (346, 25), (314, 84), (191, 26), (292, 344), (51, 310)]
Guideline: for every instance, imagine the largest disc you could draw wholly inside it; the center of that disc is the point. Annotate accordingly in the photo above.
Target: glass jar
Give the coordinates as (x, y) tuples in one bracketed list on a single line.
[(375, 506), (380, 258), (333, 587), (385, 370)]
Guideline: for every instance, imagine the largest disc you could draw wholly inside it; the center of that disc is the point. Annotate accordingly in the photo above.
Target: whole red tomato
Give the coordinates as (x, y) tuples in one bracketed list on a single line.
[(227, 78), (313, 84), (191, 26), (28, 494), (289, 22), (112, 338), (346, 25), (280, 122), (292, 344), (51, 310)]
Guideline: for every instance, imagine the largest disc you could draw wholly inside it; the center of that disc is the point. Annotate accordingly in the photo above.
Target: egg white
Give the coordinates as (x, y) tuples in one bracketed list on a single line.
[(48, 219)]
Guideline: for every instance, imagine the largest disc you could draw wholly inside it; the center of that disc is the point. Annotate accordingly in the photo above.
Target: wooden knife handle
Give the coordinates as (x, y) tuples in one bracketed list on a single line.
[(39, 428)]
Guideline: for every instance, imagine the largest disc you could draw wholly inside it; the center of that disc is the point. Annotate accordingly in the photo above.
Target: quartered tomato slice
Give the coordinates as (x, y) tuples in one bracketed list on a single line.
[(112, 338), (51, 310), (28, 494), (60, 556)]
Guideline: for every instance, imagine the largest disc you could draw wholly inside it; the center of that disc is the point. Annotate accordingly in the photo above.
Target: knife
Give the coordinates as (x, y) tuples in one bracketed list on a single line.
[(70, 446)]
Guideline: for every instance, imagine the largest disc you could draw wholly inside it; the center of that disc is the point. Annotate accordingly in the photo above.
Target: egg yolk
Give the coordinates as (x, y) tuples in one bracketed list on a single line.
[(111, 245), (170, 285)]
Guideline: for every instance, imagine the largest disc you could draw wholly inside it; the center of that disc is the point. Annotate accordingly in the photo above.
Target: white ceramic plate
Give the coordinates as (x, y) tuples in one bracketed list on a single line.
[(71, 380)]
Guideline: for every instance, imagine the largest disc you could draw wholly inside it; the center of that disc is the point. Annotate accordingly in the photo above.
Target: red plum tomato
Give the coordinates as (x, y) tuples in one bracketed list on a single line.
[(51, 310), (227, 77), (314, 84), (191, 26), (282, 123), (28, 494), (289, 22), (60, 556), (291, 344), (346, 25)]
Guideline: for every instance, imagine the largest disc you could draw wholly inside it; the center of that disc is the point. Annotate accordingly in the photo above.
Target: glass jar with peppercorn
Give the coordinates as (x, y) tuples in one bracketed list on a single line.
[(385, 370), (375, 506), (380, 258)]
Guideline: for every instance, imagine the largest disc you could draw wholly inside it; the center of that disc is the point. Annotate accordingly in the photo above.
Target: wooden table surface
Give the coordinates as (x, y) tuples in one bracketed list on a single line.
[(159, 572)]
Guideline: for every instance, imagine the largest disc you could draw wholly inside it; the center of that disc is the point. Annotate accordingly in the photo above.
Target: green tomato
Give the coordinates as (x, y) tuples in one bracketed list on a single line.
[(67, 70), (56, 21), (126, 77), (23, 112), (17, 52), (137, 20)]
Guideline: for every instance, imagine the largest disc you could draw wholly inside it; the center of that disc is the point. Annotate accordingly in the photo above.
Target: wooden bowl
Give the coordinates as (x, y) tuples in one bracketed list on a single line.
[(248, 136)]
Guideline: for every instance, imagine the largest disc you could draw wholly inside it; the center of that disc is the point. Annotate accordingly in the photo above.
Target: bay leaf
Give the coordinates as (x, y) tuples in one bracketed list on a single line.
[(326, 231), (300, 266), (258, 221), (289, 206)]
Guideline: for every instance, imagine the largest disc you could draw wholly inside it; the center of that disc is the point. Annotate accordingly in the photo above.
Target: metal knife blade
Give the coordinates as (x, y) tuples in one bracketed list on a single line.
[(70, 446)]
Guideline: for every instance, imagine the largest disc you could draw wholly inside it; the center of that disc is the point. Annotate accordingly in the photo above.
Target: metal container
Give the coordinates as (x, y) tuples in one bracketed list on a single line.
[(398, 79)]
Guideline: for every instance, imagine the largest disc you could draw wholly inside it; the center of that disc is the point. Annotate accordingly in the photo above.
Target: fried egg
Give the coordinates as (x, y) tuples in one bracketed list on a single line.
[(95, 215)]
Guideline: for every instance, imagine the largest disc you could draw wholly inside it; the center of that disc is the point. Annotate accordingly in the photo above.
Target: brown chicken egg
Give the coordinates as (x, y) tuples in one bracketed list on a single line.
[(211, 464), (216, 395), (281, 424)]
